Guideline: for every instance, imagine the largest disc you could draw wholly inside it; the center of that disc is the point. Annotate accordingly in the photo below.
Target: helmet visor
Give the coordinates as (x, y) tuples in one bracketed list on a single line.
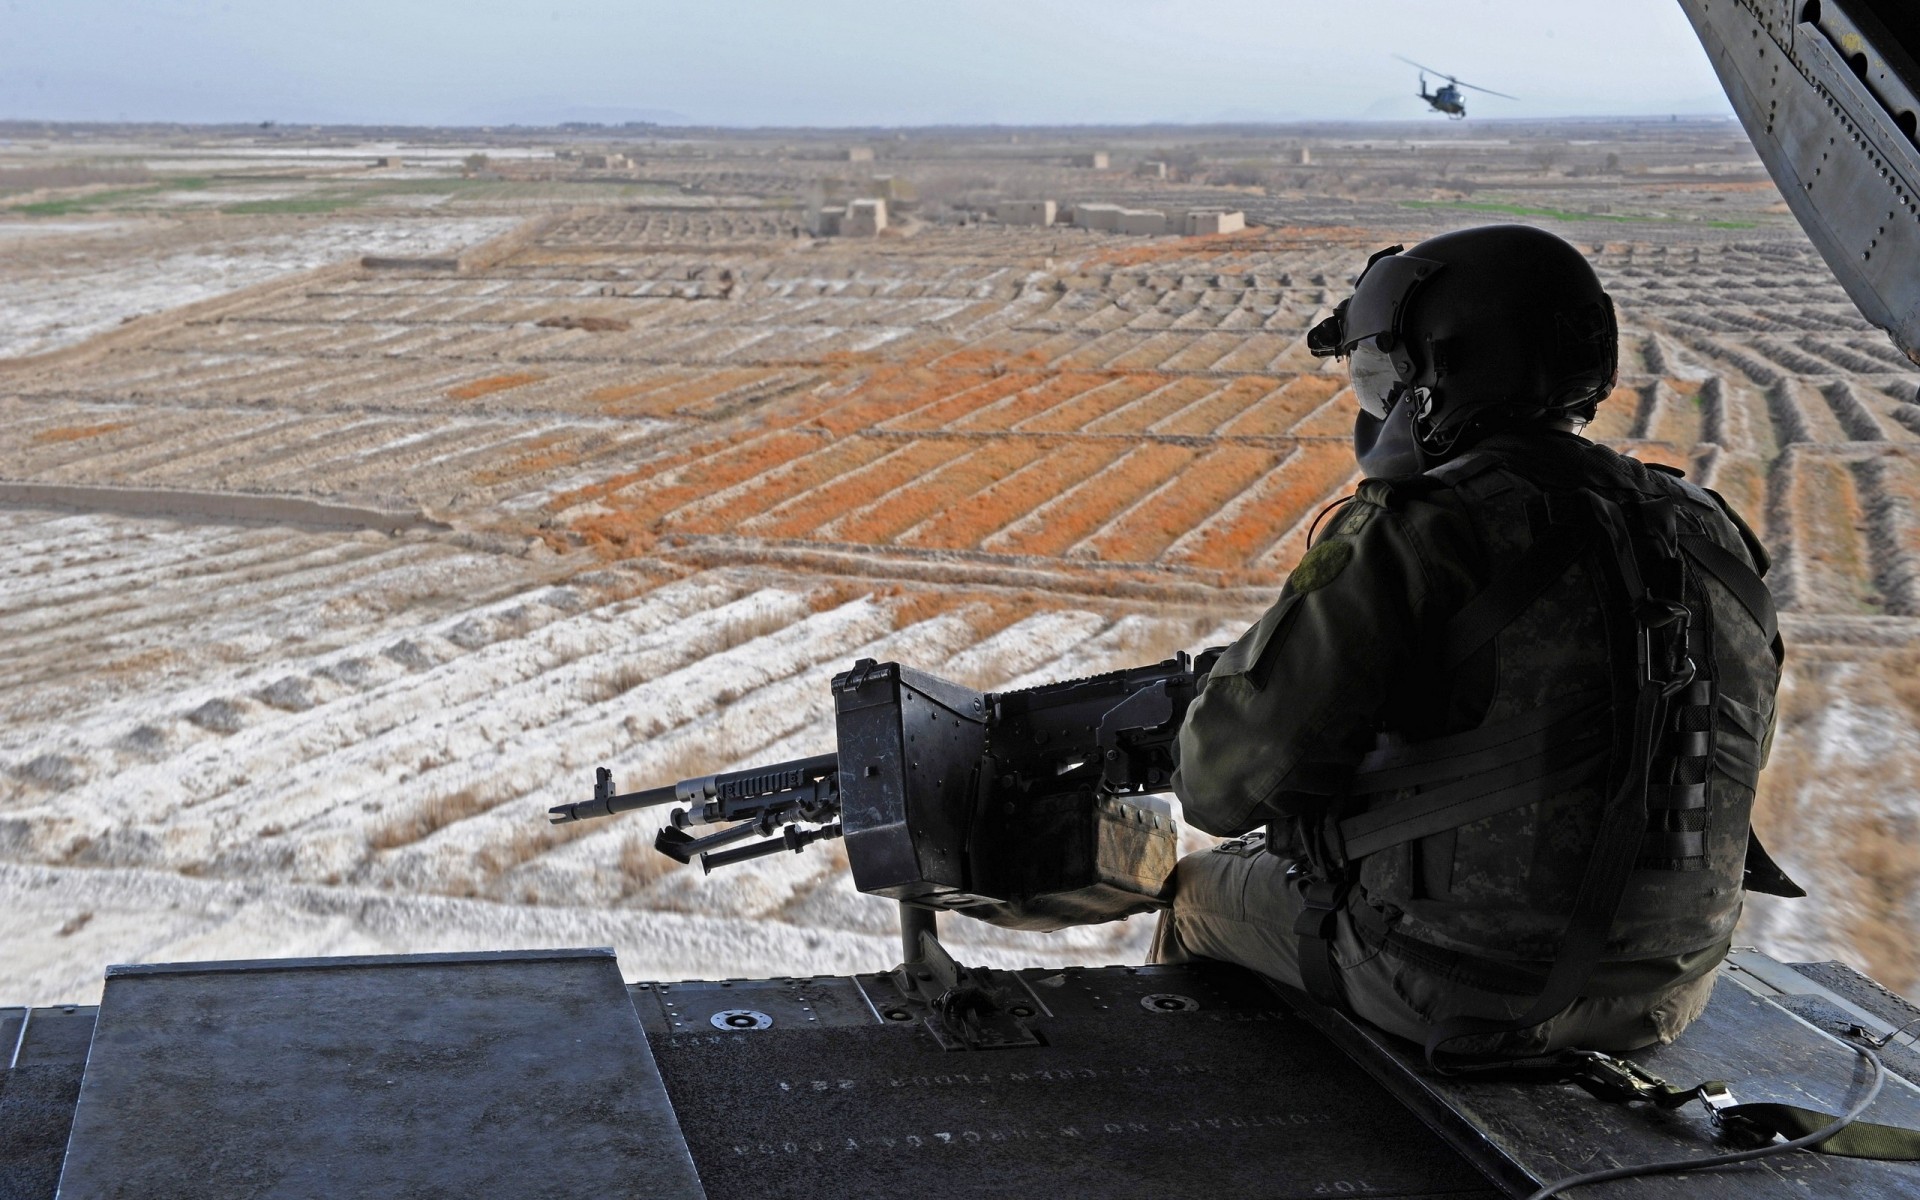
[(1376, 381)]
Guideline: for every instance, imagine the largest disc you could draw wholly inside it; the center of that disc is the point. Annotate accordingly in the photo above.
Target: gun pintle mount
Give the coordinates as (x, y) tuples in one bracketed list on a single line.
[(942, 793)]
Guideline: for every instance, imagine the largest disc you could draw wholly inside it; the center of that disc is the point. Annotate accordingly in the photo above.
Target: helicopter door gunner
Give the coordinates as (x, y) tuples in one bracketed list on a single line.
[(1487, 765)]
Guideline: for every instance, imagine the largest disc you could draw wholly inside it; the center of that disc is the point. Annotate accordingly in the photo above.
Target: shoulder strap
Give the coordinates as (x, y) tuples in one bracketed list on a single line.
[(1568, 535), (1739, 578), (1465, 467), (1761, 560)]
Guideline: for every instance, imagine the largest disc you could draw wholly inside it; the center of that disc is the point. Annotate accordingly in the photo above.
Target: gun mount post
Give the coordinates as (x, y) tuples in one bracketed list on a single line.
[(967, 1008), (915, 921)]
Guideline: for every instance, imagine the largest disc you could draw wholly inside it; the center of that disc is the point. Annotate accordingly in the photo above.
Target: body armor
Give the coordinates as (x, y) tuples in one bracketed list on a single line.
[(1589, 746)]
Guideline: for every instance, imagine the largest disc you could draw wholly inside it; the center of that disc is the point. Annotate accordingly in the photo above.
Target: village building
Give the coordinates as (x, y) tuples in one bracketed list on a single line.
[(1027, 212), (864, 217), (1202, 223)]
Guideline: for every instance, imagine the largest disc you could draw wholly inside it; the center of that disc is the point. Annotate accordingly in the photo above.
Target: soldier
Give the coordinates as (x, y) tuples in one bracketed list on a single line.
[(1487, 765)]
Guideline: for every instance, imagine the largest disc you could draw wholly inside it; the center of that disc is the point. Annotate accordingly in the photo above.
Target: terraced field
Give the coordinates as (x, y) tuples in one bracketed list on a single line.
[(629, 482)]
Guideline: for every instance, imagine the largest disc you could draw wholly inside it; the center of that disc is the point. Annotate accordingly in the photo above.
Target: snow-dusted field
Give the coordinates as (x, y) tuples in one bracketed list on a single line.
[(302, 743), (85, 278)]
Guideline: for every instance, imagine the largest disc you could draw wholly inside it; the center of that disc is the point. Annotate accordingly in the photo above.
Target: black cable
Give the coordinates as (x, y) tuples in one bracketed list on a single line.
[(1672, 1166), (1323, 512)]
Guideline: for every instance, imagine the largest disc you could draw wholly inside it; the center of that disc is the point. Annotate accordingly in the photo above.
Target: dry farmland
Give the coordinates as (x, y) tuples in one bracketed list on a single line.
[(351, 517)]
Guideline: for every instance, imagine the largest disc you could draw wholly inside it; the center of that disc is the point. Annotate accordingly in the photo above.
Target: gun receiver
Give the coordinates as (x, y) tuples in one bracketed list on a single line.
[(942, 793)]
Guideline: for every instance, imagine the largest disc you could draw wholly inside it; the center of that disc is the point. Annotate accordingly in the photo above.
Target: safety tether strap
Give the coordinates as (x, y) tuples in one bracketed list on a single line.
[(1623, 1081), (1862, 1139)]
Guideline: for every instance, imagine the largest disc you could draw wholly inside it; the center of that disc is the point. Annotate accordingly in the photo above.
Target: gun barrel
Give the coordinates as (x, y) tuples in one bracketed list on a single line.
[(606, 806), (732, 790)]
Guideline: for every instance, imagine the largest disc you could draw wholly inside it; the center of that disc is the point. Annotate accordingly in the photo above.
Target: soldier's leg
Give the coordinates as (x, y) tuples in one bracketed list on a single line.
[(1615, 1024), (1235, 903)]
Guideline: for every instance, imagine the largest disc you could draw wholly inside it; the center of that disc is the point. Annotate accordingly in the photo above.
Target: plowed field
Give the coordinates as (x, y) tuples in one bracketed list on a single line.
[(630, 483)]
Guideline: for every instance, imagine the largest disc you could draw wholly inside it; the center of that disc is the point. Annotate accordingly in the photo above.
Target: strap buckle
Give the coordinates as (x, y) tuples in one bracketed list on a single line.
[(1665, 631), (1658, 614), (1718, 1098), (1730, 1125), (1621, 1081)]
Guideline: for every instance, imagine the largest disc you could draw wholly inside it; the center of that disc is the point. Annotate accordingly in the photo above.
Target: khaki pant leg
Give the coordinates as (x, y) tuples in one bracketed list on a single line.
[(1234, 903)]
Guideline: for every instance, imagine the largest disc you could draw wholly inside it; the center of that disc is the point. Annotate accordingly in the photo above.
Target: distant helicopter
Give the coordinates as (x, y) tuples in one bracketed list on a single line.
[(1446, 98)]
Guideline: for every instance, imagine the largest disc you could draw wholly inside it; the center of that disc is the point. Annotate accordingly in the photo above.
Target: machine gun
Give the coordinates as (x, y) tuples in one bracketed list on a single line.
[(944, 793)]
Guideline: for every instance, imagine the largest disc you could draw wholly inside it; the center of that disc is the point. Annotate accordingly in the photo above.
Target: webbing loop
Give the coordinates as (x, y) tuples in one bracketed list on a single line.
[(1316, 926)]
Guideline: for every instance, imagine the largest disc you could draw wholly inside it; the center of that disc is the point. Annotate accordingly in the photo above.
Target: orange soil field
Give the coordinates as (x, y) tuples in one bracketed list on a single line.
[(903, 466), (1618, 414), (78, 433), (1263, 353), (1275, 504), (1179, 507), (918, 398), (680, 391), (1107, 396), (1282, 410), (1031, 402), (1743, 481), (967, 523), (970, 422), (1153, 407), (982, 464), (1829, 550), (1677, 418), (1078, 512), (492, 384), (771, 488), (1214, 410), (541, 454)]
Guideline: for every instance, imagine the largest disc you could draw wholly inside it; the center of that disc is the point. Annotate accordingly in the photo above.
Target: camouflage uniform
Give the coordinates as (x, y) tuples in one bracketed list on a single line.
[(1460, 921)]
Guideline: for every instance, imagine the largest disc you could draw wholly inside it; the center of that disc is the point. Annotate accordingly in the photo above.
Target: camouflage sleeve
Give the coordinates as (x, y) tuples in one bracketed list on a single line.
[(1295, 702)]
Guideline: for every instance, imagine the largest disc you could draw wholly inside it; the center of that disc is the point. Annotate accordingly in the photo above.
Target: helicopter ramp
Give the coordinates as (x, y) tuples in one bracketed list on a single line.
[(536, 1074)]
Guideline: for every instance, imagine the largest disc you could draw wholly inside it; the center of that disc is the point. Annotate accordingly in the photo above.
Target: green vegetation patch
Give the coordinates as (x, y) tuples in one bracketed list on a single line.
[(425, 187), (328, 202), (78, 204), (112, 198), (1561, 214)]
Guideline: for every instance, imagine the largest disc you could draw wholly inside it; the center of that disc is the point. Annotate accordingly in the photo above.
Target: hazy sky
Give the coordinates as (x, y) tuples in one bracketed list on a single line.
[(836, 62)]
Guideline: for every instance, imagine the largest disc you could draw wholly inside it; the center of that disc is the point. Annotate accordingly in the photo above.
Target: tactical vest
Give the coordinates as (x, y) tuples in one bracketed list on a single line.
[(1627, 655)]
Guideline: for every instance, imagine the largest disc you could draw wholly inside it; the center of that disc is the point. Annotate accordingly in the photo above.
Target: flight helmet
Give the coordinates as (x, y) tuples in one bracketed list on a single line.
[(1497, 325)]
